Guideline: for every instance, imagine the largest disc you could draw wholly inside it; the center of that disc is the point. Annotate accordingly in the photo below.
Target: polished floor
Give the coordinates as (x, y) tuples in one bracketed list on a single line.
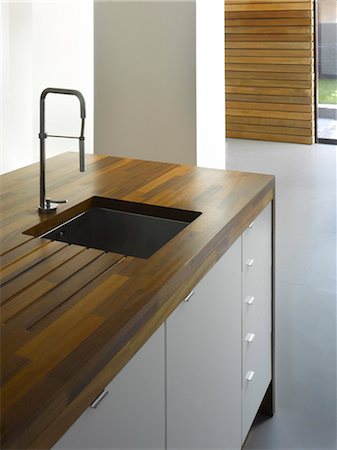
[(305, 292), (327, 128)]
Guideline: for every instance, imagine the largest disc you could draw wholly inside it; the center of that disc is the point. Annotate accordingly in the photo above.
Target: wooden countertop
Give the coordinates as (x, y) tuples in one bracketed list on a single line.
[(72, 317)]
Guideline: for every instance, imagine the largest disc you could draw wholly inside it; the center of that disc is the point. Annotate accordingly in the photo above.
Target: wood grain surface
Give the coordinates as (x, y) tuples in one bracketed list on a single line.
[(269, 69), (73, 317)]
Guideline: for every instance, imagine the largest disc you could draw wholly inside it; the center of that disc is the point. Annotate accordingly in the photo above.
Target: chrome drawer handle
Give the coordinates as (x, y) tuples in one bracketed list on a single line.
[(250, 337), (250, 375), (187, 299), (99, 399), (251, 224), (249, 300), (250, 262)]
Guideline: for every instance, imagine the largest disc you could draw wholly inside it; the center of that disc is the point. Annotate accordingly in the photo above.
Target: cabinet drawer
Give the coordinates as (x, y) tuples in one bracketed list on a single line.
[(259, 349), (257, 366), (256, 241), (256, 297)]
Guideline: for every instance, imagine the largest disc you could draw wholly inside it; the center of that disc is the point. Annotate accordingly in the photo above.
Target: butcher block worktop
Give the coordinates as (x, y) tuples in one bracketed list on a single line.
[(73, 317)]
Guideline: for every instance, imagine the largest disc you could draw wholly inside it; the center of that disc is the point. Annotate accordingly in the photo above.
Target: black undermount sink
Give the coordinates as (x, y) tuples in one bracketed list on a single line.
[(118, 226)]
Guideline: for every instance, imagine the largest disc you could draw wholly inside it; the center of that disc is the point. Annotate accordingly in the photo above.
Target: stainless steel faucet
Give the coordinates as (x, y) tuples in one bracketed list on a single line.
[(47, 205)]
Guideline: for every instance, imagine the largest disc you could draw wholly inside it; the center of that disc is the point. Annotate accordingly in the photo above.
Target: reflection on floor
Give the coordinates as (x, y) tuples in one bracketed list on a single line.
[(326, 128), (305, 292)]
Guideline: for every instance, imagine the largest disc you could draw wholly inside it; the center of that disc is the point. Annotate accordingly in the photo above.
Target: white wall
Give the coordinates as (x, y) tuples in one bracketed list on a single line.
[(16, 85), (210, 84), (146, 100), (48, 43), (145, 79), (63, 57)]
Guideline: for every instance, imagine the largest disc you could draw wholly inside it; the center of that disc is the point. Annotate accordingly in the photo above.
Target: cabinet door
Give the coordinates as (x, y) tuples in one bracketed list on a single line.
[(132, 415), (203, 344)]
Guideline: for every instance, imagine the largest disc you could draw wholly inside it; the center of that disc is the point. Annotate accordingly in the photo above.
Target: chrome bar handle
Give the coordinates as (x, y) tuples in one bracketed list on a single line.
[(250, 337), (250, 300), (250, 375), (99, 399), (187, 299)]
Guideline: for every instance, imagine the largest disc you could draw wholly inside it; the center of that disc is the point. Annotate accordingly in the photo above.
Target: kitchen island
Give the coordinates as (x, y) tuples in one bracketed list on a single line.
[(74, 317)]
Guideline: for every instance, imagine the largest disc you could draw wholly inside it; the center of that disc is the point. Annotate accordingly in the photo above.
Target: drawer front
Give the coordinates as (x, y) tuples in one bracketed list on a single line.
[(256, 296), (256, 346), (257, 238), (256, 371)]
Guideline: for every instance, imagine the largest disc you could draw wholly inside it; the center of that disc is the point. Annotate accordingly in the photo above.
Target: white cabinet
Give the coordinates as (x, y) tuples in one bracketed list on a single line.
[(203, 342), (199, 380), (256, 315), (132, 415)]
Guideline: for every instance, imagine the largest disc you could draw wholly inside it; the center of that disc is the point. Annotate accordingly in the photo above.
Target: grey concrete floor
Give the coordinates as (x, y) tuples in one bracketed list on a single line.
[(305, 415)]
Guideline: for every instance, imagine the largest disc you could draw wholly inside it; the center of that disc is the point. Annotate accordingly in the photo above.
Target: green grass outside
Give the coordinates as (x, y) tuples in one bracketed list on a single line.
[(327, 91)]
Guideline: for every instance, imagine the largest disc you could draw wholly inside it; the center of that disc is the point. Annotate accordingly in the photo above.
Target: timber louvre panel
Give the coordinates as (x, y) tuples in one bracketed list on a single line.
[(269, 70)]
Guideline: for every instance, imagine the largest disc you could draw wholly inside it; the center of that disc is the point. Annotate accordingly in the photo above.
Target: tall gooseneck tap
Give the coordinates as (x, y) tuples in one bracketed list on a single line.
[(47, 205)]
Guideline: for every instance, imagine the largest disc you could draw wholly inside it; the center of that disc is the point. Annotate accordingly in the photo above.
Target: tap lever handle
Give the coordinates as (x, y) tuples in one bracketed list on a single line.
[(49, 201)]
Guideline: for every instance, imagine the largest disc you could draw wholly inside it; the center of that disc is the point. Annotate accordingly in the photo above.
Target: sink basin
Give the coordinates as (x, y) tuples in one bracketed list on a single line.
[(127, 228)]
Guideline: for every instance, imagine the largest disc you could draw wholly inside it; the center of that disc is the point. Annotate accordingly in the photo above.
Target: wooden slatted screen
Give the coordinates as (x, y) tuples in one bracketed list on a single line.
[(269, 70)]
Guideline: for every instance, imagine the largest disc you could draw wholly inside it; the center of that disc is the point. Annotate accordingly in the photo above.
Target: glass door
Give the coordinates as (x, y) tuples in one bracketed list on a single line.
[(326, 64)]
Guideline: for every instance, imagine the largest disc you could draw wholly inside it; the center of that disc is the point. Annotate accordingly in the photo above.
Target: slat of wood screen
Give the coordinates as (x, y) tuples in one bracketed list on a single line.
[(268, 91), (268, 76), (269, 130), (269, 37), (243, 52), (269, 83), (263, 14), (270, 106), (269, 70), (269, 99), (270, 30), (247, 67), (268, 121), (267, 22), (248, 2), (276, 114), (268, 45), (263, 60), (299, 6)]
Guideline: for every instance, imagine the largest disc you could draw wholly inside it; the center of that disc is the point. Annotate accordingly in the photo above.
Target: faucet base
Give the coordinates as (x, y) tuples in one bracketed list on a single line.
[(50, 206)]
